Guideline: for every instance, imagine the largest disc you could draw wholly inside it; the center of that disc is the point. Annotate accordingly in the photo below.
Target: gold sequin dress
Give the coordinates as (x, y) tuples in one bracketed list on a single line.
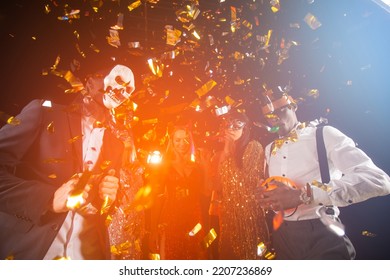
[(242, 221), (126, 225)]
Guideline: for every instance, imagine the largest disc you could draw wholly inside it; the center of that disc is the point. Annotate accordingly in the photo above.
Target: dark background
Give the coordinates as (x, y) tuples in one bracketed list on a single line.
[(346, 59)]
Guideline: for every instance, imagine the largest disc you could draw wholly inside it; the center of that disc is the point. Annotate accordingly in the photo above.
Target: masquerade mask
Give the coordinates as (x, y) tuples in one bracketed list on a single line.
[(234, 124)]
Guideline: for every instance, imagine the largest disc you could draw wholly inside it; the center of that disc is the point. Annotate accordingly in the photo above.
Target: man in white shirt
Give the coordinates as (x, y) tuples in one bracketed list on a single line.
[(310, 227), (41, 161)]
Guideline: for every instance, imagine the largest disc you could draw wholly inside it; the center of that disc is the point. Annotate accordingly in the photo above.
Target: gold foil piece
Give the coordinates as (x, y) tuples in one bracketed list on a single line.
[(261, 249), (119, 23), (315, 93), (155, 257), (320, 185), (368, 234), (62, 258), (156, 66), (9, 119), (105, 164), (275, 6), (312, 21), (278, 219), (74, 139), (114, 39), (173, 35), (121, 249), (9, 258), (106, 205), (195, 230), (196, 35), (209, 238), (270, 256), (143, 198), (134, 5), (187, 13), (206, 88), (52, 176)]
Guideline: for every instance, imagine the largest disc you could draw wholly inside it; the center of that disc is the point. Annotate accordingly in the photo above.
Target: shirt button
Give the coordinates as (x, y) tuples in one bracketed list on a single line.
[(284, 157), (284, 175)]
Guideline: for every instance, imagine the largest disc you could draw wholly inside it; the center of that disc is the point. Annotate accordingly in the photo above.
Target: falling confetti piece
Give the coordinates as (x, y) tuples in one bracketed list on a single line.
[(368, 234), (312, 21), (209, 238)]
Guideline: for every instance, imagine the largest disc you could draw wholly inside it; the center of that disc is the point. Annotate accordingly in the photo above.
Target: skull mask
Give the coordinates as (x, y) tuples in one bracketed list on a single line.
[(118, 86)]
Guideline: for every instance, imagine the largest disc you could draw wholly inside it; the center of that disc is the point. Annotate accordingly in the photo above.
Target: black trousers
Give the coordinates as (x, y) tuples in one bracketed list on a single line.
[(310, 240)]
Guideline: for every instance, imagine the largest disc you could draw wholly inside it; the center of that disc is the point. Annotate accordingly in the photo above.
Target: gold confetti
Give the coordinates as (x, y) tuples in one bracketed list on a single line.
[(261, 249), (155, 257), (119, 23), (187, 13), (121, 249), (209, 238), (320, 185), (62, 258), (312, 21), (76, 84), (74, 139), (206, 88), (134, 5), (368, 234), (196, 35), (50, 127), (52, 176), (270, 256), (150, 121), (143, 198), (156, 66), (275, 6), (277, 221), (313, 93), (106, 205), (105, 164), (9, 119), (173, 35), (114, 39), (195, 230)]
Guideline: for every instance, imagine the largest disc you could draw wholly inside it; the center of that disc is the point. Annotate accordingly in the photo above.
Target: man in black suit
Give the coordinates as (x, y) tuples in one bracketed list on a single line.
[(41, 162)]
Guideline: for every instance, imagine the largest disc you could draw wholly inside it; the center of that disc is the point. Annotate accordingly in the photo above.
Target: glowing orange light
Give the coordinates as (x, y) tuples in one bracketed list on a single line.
[(154, 157)]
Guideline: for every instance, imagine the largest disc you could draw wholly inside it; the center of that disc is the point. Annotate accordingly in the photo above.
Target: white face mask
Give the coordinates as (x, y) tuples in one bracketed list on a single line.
[(118, 86)]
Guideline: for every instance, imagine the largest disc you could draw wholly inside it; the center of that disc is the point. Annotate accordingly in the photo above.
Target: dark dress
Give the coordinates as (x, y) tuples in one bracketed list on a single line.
[(182, 211)]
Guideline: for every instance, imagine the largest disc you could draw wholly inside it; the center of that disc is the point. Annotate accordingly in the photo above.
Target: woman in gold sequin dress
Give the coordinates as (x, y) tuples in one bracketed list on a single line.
[(240, 168), (182, 211), (126, 224)]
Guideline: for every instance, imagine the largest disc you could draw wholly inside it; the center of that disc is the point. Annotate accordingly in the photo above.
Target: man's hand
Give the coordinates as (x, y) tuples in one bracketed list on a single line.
[(109, 185), (62, 194), (281, 197)]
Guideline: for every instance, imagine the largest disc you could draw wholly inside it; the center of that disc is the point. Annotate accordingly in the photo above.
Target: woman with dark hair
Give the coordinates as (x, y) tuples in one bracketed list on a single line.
[(243, 232)]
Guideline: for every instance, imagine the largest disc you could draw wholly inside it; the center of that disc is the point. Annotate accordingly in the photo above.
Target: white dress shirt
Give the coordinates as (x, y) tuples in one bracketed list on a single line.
[(77, 238), (354, 177)]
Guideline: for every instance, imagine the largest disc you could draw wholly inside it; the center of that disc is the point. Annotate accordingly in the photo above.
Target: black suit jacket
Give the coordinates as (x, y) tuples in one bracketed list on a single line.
[(37, 157)]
